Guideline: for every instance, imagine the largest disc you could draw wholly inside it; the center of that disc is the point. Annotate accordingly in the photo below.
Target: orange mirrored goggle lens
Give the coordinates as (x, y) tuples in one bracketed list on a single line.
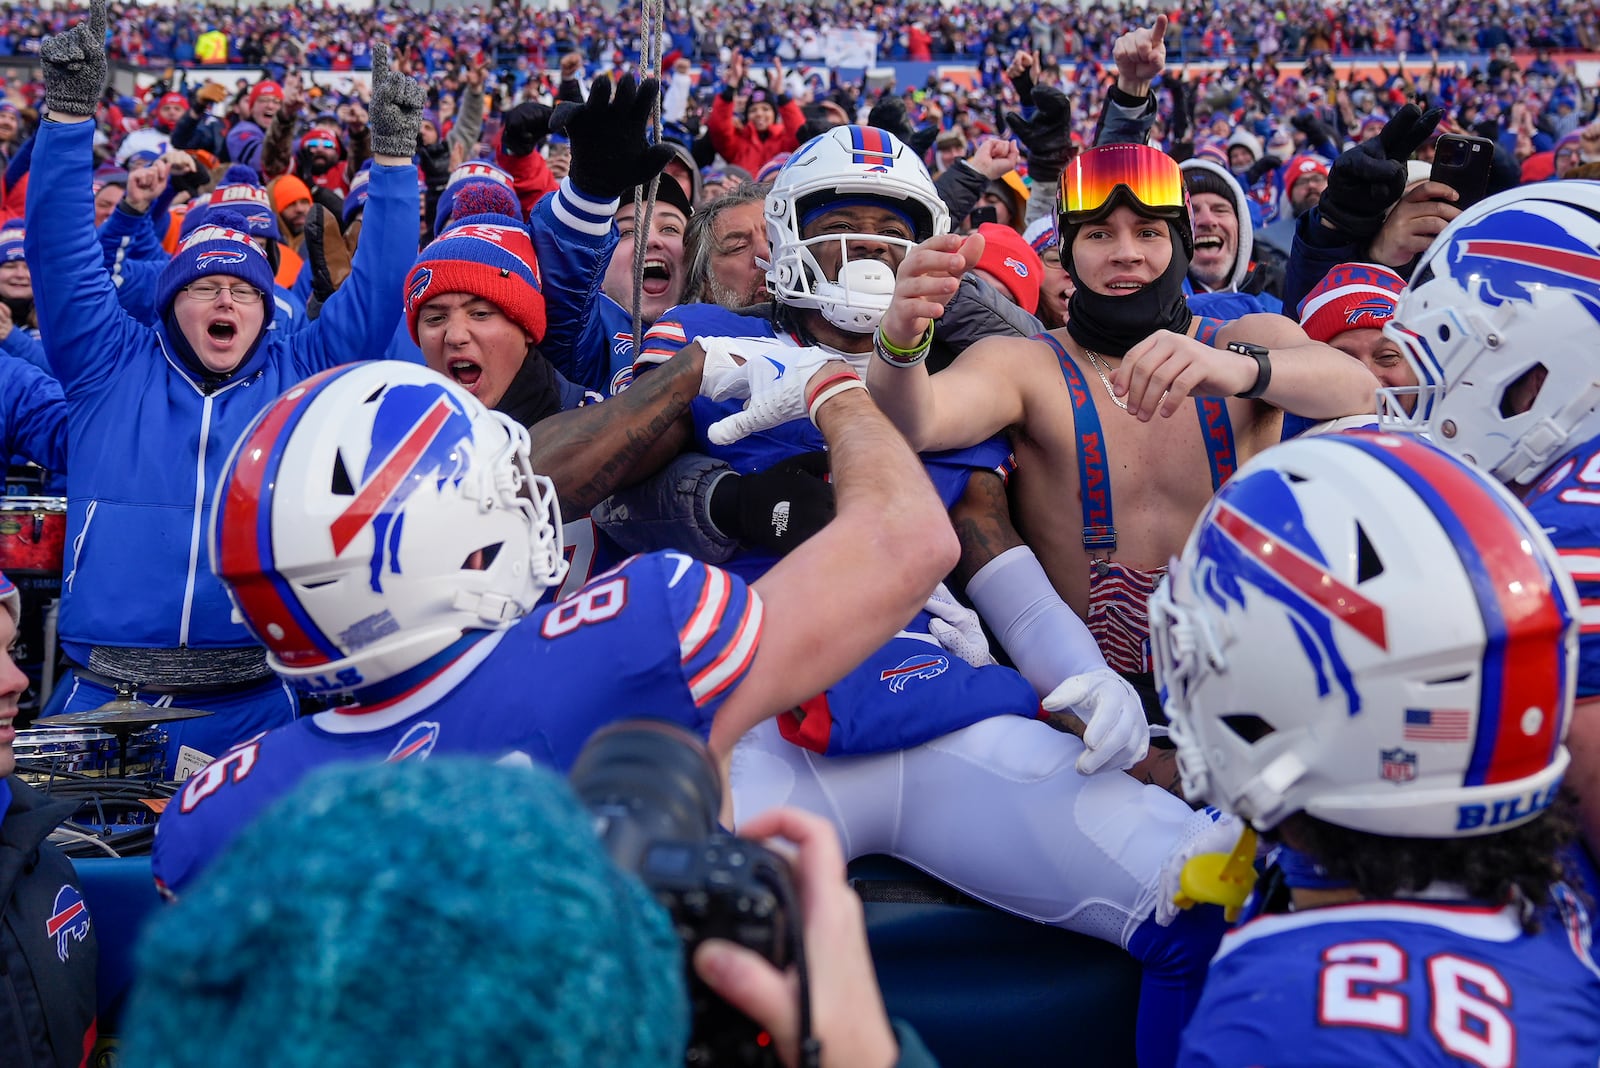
[(1092, 179)]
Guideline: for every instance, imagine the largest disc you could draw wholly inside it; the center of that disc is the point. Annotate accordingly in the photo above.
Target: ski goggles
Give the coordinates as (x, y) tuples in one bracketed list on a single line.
[(1150, 178)]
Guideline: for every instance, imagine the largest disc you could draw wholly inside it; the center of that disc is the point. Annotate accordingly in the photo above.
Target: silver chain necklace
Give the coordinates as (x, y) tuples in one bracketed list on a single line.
[(1100, 369)]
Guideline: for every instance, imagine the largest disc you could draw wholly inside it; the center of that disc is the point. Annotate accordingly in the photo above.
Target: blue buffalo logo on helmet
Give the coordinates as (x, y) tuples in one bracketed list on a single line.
[(1282, 562), (419, 436), (1509, 255)]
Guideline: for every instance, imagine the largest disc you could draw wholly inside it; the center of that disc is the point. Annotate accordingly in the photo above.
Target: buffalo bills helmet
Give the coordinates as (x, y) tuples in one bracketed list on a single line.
[(1498, 325), (1365, 629), (373, 518), (845, 166)]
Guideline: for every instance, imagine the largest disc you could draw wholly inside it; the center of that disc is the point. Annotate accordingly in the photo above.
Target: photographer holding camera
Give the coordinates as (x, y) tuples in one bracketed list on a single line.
[(459, 913)]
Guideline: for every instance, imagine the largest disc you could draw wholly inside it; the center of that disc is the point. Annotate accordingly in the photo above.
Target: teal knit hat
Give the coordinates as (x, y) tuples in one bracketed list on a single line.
[(434, 913)]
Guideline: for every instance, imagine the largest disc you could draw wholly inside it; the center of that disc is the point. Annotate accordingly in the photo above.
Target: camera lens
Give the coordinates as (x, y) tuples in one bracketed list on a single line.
[(647, 781)]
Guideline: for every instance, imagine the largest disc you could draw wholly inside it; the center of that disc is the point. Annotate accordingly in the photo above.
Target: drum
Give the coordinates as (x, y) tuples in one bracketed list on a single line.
[(44, 753), (33, 539)]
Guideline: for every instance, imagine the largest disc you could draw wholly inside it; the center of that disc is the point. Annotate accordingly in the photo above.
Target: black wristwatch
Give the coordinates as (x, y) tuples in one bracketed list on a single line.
[(1259, 354)]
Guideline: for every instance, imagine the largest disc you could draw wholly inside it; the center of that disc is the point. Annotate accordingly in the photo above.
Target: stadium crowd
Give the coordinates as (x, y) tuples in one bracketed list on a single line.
[(462, 409)]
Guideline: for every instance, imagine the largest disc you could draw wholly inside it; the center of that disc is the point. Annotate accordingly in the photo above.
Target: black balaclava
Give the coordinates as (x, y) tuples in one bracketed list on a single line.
[(1111, 326)]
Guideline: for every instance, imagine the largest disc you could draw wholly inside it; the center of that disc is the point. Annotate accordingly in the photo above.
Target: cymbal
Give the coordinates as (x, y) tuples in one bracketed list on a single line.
[(123, 712)]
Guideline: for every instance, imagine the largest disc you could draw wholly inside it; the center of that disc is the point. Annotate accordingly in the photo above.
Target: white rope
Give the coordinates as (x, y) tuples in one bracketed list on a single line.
[(652, 22)]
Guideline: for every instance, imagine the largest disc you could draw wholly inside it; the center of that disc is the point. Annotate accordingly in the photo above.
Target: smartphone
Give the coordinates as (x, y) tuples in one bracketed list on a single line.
[(983, 213), (1463, 164)]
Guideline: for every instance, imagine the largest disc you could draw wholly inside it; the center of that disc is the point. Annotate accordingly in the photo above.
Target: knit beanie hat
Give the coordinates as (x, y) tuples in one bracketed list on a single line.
[(1041, 234), (1352, 296), (759, 96), (240, 193), (286, 190), (219, 245), (11, 244), (488, 256), (1009, 258), (471, 173), (473, 893), (265, 87), (1300, 167), (356, 199)]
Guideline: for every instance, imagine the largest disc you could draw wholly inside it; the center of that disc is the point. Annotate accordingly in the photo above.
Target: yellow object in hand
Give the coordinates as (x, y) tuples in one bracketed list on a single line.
[(1220, 879)]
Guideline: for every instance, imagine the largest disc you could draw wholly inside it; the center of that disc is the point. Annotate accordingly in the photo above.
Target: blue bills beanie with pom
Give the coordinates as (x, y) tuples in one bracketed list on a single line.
[(221, 244), (445, 913)]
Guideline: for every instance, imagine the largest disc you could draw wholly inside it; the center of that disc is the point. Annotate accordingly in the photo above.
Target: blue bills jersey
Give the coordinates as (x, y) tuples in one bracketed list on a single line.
[(911, 690), (1405, 983), (661, 636), (1566, 502)]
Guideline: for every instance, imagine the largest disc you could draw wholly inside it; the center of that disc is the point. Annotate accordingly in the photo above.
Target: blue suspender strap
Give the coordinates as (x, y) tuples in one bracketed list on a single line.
[(1094, 476), (1215, 426), (1217, 429)]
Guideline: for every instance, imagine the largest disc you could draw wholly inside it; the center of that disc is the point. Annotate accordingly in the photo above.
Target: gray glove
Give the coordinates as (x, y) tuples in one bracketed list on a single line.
[(395, 114), (75, 65)]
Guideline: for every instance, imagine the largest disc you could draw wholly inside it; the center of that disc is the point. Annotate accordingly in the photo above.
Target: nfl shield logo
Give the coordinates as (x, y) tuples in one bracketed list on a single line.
[(1399, 765)]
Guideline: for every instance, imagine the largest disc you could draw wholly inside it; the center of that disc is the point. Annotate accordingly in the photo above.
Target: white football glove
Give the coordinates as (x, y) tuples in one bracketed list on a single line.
[(724, 376), (777, 382), (1220, 836), (957, 628), (1117, 735)]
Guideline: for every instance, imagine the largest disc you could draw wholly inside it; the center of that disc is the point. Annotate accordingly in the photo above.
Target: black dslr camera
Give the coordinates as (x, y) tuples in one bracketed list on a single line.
[(655, 795)]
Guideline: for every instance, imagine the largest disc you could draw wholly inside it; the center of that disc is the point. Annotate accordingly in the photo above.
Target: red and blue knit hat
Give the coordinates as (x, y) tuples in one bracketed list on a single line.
[(488, 256), (219, 245), (473, 173), (239, 192), (1352, 296)]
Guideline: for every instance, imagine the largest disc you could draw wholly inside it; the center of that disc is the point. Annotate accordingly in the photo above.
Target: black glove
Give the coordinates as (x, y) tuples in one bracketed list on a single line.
[(1369, 179), (609, 152), (775, 509), (1047, 136), (526, 125), (1316, 131), (434, 163), (1261, 168), (322, 286), (569, 92), (75, 68), (190, 182), (890, 114)]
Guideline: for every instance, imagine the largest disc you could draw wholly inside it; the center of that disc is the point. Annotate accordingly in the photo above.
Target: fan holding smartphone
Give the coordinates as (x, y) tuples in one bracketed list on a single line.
[(1463, 163), (1367, 200)]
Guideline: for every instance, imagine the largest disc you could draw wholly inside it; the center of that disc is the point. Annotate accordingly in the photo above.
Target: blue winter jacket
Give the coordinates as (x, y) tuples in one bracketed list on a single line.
[(148, 436)]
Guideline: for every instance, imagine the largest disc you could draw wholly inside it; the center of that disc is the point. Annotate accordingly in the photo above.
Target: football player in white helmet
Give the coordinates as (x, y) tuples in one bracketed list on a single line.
[(384, 536), (852, 188), (1368, 650), (1498, 327)]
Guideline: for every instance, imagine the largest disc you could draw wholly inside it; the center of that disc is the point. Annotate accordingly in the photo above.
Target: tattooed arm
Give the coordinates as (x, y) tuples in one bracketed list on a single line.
[(591, 452)]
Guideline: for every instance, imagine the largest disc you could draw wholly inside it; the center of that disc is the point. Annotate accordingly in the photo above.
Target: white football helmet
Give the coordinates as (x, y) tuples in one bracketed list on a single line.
[(1365, 629), (1512, 285), (372, 518), (845, 165)]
